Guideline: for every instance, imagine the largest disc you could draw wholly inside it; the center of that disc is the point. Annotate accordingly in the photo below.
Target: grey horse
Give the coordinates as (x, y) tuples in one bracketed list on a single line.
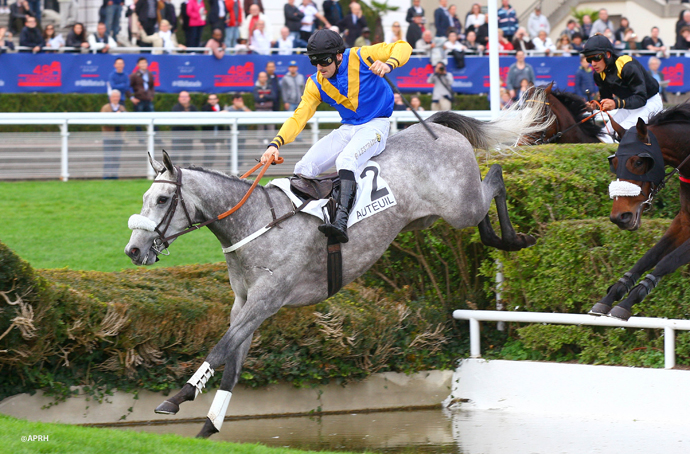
[(287, 266)]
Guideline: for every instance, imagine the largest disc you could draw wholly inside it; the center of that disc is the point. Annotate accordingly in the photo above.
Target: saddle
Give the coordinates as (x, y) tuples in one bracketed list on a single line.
[(326, 187), (315, 188)]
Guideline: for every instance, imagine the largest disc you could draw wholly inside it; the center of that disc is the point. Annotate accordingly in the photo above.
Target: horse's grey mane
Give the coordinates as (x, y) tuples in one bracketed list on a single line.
[(217, 173)]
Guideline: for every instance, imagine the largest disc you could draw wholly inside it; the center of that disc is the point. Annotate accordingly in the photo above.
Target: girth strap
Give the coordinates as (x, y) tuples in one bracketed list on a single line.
[(334, 267)]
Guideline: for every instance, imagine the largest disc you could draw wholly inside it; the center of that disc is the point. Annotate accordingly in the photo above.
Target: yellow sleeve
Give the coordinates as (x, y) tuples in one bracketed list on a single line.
[(395, 54), (305, 110)]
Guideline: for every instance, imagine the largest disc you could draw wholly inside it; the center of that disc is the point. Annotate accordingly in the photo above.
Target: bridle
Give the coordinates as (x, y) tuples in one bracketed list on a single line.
[(656, 189), (161, 243), (543, 140)]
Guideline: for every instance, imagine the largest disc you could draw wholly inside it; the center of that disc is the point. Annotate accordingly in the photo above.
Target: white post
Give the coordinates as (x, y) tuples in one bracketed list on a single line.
[(669, 348), (394, 125), (314, 131), (64, 152), (233, 148), (151, 174), (494, 75), (501, 326), (475, 339)]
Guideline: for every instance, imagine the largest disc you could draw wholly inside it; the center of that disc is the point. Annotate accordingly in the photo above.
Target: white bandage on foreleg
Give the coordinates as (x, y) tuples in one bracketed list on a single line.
[(219, 407), (620, 188), (200, 377), (137, 221)]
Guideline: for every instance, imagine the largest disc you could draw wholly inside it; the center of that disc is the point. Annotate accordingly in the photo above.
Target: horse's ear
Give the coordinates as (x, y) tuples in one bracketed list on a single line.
[(620, 130), (157, 166), (548, 88), (167, 162), (642, 131)]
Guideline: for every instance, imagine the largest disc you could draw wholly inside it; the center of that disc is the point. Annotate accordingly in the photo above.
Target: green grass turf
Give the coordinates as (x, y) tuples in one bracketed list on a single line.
[(82, 225), (66, 439)]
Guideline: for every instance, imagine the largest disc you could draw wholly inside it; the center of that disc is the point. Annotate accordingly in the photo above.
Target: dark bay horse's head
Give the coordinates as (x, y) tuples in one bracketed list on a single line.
[(569, 120), (639, 168), (163, 213)]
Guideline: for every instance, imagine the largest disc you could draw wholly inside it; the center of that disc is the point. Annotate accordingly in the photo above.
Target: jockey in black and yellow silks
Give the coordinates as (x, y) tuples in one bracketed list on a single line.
[(346, 81), (624, 85)]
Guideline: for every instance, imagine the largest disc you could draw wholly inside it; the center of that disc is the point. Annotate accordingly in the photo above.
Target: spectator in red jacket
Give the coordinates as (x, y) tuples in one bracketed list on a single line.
[(232, 26)]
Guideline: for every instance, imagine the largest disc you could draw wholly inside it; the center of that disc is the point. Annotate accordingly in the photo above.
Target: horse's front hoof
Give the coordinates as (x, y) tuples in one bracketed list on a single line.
[(600, 309), (208, 430), (620, 313), (527, 240), (167, 408)]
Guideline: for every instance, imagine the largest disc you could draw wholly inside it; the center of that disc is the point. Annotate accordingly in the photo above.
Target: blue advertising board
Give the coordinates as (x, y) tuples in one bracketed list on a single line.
[(88, 73)]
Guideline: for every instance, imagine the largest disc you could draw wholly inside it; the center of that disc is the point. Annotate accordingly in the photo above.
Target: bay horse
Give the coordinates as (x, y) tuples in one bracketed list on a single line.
[(670, 129), (287, 266), (568, 113)]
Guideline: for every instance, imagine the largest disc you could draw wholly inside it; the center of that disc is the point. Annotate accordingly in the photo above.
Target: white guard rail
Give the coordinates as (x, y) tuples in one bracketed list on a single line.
[(669, 326), (235, 121)]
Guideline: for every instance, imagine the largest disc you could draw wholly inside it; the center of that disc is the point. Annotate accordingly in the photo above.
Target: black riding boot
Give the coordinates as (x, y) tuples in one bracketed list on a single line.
[(348, 189)]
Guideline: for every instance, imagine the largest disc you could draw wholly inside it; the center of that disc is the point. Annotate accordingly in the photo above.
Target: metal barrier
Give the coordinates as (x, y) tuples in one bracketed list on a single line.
[(232, 148), (669, 326)]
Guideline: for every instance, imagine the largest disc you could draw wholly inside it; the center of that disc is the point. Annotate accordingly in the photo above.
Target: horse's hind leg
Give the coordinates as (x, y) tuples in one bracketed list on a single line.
[(510, 240)]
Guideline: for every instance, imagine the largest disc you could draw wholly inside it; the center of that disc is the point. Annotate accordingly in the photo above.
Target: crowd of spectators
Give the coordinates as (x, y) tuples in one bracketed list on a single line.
[(243, 27)]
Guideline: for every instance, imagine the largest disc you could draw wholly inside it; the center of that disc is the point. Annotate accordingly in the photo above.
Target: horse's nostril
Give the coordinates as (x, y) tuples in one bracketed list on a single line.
[(626, 217), (133, 253)]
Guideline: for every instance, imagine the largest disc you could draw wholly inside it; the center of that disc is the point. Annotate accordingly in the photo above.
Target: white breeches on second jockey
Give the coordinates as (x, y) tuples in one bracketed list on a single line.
[(348, 147), (628, 118)]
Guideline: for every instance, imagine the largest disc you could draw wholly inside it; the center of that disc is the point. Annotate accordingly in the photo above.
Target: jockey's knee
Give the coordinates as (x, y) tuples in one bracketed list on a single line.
[(346, 161), (307, 169)]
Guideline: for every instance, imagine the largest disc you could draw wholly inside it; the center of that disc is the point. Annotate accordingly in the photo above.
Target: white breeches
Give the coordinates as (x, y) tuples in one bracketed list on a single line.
[(628, 118), (348, 148)]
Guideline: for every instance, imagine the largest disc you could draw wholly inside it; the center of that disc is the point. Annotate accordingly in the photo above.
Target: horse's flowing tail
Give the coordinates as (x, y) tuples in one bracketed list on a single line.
[(524, 118)]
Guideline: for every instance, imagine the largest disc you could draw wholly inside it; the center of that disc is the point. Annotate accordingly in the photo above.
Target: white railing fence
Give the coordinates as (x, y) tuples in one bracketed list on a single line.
[(668, 325), (231, 147)]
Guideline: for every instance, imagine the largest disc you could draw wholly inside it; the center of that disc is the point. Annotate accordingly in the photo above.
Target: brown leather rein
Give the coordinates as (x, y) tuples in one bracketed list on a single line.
[(162, 242)]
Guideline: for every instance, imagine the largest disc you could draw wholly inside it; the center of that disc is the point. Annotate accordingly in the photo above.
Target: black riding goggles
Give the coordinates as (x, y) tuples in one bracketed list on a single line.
[(322, 59), (593, 58)]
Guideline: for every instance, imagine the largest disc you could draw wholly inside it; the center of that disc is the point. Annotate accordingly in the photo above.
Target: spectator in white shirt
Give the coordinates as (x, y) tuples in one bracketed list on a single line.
[(53, 40), (543, 44), (538, 22), (99, 41), (260, 43), (285, 42), (310, 14), (455, 49), (395, 33), (475, 19)]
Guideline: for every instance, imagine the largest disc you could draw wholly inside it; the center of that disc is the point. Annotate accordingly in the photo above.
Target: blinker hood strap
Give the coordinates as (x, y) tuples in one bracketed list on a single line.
[(629, 146)]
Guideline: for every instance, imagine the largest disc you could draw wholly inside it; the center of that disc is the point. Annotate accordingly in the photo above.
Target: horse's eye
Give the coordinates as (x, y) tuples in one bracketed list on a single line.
[(638, 163), (162, 200)]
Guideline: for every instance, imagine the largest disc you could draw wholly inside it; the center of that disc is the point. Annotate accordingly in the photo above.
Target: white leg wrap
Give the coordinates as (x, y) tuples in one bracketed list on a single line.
[(200, 378), (219, 407)]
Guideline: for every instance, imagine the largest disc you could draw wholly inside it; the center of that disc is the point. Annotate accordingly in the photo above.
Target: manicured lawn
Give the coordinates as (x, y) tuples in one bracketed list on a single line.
[(82, 225), (66, 439)]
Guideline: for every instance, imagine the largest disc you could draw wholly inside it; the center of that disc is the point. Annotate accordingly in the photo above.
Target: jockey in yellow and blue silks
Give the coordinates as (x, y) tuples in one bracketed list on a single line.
[(346, 81)]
